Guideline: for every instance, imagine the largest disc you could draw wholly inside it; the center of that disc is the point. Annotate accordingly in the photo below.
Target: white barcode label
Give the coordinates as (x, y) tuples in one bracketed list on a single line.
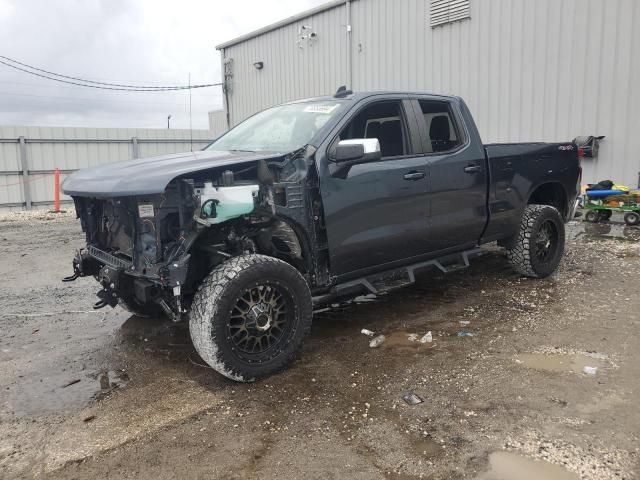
[(145, 210)]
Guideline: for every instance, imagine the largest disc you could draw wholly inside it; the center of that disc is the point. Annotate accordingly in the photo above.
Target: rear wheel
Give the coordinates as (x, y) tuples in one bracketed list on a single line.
[(632, 218), (539, 245), (250, 316), (591, 216)]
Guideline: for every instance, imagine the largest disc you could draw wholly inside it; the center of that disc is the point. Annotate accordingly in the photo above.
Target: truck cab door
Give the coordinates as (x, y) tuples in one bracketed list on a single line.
[(458, 176), (376, 212)]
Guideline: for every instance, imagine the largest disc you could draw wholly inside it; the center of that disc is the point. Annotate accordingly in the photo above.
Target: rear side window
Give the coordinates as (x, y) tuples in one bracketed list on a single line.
[(442, 130)]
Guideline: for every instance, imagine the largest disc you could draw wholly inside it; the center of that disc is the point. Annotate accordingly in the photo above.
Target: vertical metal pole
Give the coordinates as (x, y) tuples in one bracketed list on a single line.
[(349, 49), (135, 148), (24, 162), (190, 116)]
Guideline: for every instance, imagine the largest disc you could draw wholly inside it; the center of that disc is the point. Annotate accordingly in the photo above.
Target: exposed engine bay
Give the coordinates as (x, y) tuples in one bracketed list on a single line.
[(154, 250)]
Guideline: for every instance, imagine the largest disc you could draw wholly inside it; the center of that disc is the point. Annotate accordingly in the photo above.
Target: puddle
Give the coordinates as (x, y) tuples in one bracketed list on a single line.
[(400, 340), (560, 362), (58, 393), (425, 447), (511, 466), (606, 230)]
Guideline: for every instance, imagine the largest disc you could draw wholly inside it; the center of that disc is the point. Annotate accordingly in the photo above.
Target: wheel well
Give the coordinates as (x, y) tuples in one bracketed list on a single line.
[(284, 239), (551, 194)]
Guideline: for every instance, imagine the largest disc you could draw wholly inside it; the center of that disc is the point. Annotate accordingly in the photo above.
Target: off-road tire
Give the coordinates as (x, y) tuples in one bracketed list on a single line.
[(214, 304), (524, 253)]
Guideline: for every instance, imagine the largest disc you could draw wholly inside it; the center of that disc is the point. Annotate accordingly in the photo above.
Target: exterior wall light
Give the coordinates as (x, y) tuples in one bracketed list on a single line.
[(259, 65)]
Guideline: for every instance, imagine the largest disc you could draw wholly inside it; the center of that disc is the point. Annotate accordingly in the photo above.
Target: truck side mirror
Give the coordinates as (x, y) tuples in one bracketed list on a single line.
[(359, 150)]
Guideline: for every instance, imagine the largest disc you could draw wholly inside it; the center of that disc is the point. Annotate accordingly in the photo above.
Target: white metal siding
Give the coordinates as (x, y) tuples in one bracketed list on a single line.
[(289, 72), (543, 70), (49, 148)]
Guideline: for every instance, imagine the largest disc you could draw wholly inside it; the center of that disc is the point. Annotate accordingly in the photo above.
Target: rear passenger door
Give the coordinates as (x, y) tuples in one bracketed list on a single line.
[(457, 173)]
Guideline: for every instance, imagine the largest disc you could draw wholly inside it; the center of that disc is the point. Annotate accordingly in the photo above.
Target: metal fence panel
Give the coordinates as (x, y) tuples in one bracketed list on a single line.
[(46, 148)]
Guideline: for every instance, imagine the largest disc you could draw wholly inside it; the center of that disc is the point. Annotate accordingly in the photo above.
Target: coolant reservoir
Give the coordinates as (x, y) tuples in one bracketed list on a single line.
[(219, 204)]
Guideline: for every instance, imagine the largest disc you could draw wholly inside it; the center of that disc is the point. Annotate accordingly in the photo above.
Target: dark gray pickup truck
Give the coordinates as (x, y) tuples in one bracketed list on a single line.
[(309, 202)]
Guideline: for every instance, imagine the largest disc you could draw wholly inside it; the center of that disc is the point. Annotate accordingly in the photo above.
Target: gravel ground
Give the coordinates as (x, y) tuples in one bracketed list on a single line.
[(103, 394)]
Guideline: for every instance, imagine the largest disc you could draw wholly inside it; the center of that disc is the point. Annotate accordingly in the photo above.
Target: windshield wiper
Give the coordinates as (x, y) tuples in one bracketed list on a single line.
[(243, 151)]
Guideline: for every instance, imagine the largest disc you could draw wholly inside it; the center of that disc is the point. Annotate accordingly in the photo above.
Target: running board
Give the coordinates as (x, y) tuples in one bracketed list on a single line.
[(400, 277)]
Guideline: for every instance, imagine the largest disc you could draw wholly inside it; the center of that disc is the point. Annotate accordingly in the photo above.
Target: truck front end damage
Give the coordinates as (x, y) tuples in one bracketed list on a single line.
[(136, 248), (150, 252)]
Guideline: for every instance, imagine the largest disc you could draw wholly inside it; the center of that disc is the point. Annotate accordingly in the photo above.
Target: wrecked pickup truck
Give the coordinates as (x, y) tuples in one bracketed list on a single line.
[(309, 202)]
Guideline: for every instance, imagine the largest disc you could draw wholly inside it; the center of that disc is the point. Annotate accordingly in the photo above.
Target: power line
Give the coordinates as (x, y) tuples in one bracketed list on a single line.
[(89, 100), (94, 84), (72, 88), (80, 79)]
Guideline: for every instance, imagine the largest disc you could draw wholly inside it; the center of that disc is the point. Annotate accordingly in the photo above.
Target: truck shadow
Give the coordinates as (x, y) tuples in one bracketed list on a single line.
[(148, 348), (165, 344)]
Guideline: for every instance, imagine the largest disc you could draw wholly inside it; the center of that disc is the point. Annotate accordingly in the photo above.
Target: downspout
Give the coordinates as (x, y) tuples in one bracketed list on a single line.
[(225, 90), (349, 49)]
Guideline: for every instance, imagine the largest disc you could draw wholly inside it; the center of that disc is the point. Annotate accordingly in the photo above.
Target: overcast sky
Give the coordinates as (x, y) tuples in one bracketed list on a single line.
[(155, 42)]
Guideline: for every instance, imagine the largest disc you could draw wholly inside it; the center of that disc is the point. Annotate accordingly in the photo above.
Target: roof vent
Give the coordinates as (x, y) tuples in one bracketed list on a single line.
[(343, 92)]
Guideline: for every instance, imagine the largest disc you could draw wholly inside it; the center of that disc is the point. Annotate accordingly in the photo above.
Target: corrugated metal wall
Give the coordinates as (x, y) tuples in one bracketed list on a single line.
[(293, 68), (543, 70), (68, 149)]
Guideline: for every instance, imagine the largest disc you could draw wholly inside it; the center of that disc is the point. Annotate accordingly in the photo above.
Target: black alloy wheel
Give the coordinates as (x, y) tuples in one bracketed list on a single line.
[(260, 319)]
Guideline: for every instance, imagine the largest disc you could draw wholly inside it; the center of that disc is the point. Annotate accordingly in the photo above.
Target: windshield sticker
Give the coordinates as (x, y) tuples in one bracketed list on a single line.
[(145, 210), (324, 109)]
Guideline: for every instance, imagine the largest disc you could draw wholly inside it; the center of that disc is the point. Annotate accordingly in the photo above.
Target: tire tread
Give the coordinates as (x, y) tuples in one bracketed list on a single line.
[(519, 253), (213, 292)]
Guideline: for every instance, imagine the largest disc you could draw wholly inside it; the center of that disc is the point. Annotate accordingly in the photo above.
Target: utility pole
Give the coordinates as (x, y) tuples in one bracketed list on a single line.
[(190, 116)]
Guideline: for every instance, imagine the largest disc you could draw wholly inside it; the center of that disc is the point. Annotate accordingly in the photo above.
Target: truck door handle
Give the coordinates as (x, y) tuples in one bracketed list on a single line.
[(414, 176), (473, 169)]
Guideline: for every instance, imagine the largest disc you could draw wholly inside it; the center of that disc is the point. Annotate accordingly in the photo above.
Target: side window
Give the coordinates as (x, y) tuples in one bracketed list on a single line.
[(442, 130), (383, 121)]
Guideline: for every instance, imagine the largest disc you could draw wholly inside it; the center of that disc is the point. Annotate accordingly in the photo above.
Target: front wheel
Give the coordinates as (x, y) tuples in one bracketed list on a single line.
[(250, 316), (539, 245)]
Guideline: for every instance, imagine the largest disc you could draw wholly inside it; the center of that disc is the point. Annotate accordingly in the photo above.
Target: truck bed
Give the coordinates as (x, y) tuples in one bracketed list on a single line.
[(518, 169)]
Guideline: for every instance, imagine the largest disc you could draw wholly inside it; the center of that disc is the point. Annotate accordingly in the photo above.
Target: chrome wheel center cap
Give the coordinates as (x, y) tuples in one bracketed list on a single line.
[(261, 318)]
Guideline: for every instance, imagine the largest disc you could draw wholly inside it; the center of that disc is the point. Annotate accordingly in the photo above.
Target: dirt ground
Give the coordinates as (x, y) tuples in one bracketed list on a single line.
[(102, 394)]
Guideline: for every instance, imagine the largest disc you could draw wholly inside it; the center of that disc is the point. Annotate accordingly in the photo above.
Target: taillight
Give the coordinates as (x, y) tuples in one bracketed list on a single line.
[(581, 155)]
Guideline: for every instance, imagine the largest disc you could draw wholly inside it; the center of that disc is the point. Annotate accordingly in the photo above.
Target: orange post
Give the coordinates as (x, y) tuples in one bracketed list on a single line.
[(56, 191)]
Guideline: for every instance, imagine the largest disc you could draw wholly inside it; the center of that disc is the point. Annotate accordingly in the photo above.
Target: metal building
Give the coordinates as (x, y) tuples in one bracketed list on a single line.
[(530, 70)]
